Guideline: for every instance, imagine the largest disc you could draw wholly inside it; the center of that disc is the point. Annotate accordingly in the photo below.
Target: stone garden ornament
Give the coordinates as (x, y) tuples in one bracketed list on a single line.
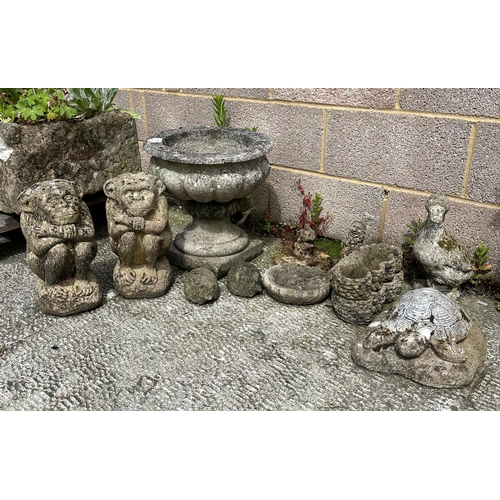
[(60, 243), (210, 169), (355, 238), (426, 337), (446, 263), (139, 233), (364, 280), (296, 284)]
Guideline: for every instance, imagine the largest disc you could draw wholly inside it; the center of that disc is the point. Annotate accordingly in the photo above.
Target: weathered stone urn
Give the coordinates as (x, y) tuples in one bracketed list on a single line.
[(88, 152), (364, 280), (209, 169)]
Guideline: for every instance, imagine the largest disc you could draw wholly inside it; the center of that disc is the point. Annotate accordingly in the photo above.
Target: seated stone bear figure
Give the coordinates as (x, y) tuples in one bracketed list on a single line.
[(59, 234), (139, 233)]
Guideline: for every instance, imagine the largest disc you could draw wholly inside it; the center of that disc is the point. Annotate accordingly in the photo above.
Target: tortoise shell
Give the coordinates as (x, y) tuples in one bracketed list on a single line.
[(429, 312)]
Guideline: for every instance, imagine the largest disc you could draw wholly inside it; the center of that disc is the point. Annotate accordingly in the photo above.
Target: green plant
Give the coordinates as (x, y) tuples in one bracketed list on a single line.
[(332, 247), (312, 209), (483, 274), (221, 116), (89, 102), (37, 105), (34, 105), (415, 227)]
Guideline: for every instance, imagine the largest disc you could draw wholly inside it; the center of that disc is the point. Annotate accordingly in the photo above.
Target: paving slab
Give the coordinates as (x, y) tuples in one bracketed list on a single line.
[(233, 354)]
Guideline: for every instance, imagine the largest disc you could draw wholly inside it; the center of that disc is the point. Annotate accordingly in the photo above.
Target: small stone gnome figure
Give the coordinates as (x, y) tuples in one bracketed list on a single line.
[(60, 242), (139, 233), (355, 238)]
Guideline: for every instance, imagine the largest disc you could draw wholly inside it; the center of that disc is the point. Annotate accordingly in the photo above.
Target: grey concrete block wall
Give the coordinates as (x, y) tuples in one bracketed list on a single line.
[(361, 98), (407, 151), (484, 183), (248, 93), (471, 102), (372, 153)]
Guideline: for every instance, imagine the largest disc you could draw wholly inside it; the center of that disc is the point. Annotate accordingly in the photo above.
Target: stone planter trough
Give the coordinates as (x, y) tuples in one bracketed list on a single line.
[(88, 151)]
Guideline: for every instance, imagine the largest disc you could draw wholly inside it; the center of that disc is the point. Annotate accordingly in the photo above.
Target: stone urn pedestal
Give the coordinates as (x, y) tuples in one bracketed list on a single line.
[(210, 168)]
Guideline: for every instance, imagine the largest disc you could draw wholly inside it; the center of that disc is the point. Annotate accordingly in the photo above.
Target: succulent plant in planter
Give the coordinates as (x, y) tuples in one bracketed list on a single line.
[(74, 134)]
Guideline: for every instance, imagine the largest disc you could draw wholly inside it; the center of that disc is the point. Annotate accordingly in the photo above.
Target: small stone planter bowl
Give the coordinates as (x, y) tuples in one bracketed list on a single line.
[(296, 284)]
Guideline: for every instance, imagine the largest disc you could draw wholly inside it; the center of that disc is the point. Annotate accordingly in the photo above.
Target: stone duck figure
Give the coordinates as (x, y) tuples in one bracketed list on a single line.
[(445, 262)]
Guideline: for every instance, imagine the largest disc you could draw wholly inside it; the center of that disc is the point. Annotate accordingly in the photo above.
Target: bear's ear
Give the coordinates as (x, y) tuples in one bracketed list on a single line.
[(160, 186), (24, 198), (109, 188)]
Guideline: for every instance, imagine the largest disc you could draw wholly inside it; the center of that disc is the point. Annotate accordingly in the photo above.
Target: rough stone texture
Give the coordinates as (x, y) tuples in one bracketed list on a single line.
[(354, 238), (248, 93), (484, 181), (427, 369), (168, 111), (364, 280), (132, 100), (296, 131), (426, 337), (137, 214), (60, 246), (145, 158), (358, 97), (406, 151), (441, 256), (201, 286), (295, 284), (229, 355), (209, 168), (208, 146), (346, 202), (244, 280), (90, 151), (471, 223), (211, 232), (473, 102), (219, 265)]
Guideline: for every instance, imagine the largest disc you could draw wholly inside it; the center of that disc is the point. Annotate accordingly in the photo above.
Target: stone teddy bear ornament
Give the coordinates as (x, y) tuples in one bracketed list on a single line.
[(139, 233), (59, 234)]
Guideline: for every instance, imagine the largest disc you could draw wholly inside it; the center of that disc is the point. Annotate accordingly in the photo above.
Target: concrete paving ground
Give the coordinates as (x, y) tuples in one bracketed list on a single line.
[(233, 354)]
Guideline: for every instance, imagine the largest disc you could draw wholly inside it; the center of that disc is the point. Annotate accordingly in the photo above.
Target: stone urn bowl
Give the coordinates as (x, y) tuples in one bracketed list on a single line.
[(209, 169)]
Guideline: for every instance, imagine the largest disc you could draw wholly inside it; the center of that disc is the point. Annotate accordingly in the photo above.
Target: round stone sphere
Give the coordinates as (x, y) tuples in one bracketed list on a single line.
[(244, 279), (201, 286)]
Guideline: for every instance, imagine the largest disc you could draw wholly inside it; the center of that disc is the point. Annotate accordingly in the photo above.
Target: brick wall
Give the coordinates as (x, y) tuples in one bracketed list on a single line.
[(375, 154)]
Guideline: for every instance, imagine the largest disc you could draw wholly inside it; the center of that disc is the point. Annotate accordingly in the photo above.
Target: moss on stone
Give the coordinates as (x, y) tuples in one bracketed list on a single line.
[(448, 243), (329, 246)]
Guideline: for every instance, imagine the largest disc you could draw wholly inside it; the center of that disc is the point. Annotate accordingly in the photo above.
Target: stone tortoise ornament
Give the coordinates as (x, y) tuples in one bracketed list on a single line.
[(426, 337), (424, 317)]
